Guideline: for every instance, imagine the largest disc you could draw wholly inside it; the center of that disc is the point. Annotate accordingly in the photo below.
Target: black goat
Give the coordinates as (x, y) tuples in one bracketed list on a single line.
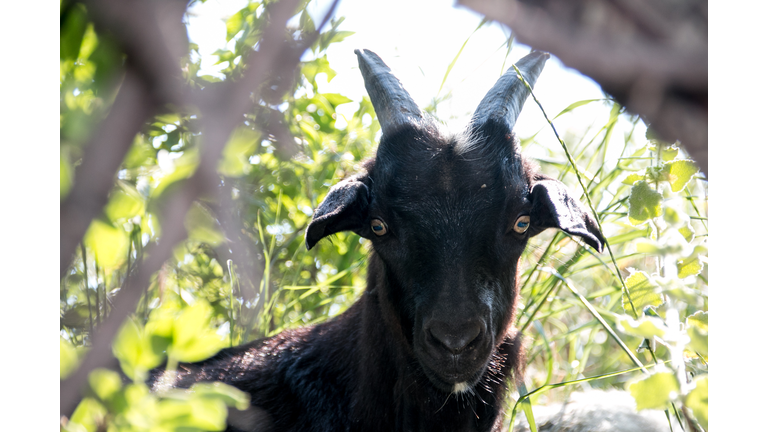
[(430, 344)]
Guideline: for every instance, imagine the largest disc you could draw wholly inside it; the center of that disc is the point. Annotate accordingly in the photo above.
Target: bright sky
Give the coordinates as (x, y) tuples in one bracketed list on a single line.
[(418, 40)]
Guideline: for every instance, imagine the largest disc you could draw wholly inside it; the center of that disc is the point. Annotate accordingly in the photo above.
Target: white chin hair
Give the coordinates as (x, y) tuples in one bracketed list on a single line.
[(460, 387)]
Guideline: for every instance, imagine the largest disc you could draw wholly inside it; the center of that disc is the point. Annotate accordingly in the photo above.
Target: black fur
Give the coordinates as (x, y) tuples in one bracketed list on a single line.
[(430, 344)]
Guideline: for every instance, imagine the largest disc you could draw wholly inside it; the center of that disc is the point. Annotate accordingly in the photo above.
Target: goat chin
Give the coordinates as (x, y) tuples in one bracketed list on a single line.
[(596, 411)]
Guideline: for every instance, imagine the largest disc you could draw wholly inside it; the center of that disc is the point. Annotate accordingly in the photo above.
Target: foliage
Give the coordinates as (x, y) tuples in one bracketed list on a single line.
[(649, 294)]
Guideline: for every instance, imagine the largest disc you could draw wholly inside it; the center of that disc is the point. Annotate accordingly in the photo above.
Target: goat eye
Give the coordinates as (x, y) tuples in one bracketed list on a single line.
[(379, 227), (521, 224)]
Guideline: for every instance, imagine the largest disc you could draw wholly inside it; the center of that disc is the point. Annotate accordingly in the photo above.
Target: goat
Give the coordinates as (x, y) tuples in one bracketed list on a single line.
[(430, 345)]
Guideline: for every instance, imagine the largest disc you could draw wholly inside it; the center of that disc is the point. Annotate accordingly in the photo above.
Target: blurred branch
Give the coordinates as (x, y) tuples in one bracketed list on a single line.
[(651, 56), (102, 157), (222, 107), (154, 39)]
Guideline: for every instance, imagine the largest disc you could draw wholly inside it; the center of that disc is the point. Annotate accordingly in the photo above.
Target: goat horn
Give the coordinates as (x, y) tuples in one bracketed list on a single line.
[(394, 106), (503, 103)]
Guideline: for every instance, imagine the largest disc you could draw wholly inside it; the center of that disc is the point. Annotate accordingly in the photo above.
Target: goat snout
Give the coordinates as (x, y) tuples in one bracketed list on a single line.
[(454, 337)]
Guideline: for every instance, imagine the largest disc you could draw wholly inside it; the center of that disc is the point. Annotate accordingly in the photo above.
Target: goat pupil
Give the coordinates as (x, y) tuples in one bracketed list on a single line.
[(378, 227)]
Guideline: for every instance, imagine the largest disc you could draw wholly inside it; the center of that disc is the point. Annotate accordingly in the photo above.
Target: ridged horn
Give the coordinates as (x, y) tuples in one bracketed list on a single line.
[(393, 105), (505, 100)]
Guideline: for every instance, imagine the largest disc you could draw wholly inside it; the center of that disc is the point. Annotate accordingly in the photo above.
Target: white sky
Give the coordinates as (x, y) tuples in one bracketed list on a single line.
[(418, 40)]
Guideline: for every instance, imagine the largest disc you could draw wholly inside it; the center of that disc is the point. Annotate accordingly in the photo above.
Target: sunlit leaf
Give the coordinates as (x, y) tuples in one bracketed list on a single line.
[(575, 105), (108, 243), (72, 31), (235, 24), (644, 203), (643, 291), (193, 339), (228, 394), (691, 265), (105, 383), (699, 340), (133, 349), (65, 174), (202, 226), (668, 153), (687, 232), (654, 391), (320, 65), (698, 400), (646, 327), (87, 416), (632, 178), (241, 145), (679, 173), (184, 167), (68, 358), (125, 202), (699, 319)]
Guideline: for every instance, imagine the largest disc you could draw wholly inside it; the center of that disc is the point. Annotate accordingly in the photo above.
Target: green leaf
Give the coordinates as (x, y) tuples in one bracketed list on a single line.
[(241, 145), (691, 265), (632, 178), (108, 243), (575, 105), (340, 36), (642, 290), (226, 393), (235, 24), (133, 348), (202, 226), (698, 400), (644, 203), (105, 383), (65, 174), (68, 358), (125, 202), (669, 153), (72, 31), (453, 62), (672, 217), (87, 416), (646, 327), (654, 391), (687, 232), (184, 167), (336, 99), (699, 319), (627, 236), (699, 340), (679, 173), (320, 65), (193, 339), (208, 414)]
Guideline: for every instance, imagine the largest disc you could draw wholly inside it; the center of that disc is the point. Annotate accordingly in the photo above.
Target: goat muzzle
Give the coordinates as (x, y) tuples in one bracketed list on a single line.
[(454, 351)]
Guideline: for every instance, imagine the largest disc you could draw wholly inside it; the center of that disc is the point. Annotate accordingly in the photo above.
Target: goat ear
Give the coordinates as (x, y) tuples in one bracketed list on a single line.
[(554, 207), (345, 208)]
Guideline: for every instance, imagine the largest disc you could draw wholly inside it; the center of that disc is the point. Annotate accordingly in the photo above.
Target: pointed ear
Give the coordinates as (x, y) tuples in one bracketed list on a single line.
[(554, 207), (345, 208)]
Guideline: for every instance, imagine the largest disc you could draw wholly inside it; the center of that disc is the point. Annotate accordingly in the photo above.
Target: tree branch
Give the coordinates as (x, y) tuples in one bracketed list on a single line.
[(221, 109), (652, 57)]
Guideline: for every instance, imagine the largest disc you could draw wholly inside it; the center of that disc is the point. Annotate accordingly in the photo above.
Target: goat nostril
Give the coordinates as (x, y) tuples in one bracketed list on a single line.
[(454, 338)]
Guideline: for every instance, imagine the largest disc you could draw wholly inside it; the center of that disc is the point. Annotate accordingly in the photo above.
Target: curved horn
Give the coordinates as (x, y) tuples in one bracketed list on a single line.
[(505, 100), (393, 105)]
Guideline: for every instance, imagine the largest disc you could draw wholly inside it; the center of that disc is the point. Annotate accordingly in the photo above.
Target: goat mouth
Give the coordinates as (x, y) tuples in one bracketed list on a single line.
[(454, 381)]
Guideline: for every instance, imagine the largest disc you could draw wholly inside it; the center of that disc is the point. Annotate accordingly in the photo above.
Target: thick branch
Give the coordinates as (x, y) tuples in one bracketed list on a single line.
[(221, 110), (94, 177), (651, 57)]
